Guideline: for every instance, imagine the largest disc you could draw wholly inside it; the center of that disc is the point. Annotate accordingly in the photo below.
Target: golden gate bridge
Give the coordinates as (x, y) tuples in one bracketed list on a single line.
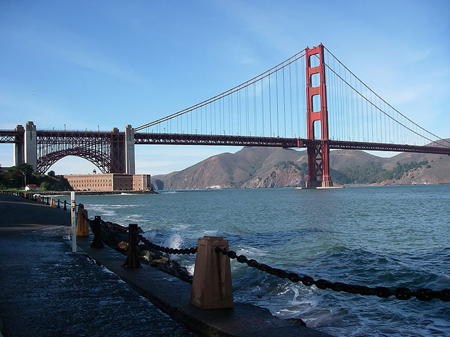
[(311, 100)]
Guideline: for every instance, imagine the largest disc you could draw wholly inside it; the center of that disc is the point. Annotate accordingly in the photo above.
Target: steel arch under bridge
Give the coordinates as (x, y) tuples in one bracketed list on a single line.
[(104, 149)]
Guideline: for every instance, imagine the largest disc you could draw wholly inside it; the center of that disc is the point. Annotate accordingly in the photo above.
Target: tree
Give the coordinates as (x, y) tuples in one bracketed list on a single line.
[(45, 186), (21, 172), (51, 173)]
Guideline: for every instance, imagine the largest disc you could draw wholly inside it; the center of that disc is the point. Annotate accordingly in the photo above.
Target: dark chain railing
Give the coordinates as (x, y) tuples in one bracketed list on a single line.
[(167, 250), (383, 292)]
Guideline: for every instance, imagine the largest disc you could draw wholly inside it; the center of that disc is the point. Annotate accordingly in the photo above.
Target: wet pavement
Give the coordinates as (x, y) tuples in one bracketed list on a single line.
[(48, 291)]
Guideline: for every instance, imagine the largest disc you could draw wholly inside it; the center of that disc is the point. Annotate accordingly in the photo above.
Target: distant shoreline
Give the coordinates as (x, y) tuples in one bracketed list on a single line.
[(92, 192)]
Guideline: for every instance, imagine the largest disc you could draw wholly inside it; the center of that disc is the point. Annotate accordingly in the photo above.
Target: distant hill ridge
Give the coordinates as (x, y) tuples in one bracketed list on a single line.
[(261, 167)]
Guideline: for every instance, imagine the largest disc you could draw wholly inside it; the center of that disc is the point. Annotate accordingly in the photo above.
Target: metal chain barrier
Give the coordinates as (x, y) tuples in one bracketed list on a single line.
[(192, 250), (383, 292)]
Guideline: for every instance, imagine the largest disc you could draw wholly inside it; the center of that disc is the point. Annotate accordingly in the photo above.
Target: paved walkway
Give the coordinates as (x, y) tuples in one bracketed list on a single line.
[(48, 291)]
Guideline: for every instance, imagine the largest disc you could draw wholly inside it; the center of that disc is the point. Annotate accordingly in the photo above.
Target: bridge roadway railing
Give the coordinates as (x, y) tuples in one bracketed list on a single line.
[(224, 140), (212, 276)]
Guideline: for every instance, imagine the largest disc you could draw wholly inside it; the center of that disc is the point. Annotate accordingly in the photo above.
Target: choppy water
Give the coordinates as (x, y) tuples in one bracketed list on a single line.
[(375, 236)]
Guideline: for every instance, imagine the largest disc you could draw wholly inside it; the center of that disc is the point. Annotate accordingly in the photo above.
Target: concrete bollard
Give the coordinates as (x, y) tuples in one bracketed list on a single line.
[(132, 260), (211, 286), (52, 202), (39, 198), (82, 223), (96, 227)]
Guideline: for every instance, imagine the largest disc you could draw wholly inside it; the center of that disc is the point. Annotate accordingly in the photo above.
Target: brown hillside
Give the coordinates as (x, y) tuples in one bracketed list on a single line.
[(260, 167)]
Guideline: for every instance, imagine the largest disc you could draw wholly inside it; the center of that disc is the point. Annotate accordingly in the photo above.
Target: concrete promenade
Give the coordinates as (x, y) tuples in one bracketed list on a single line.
[(48, 291)]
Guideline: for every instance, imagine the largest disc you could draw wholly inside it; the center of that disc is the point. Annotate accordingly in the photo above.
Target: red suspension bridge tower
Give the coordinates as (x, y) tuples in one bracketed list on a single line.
[(317, 113)]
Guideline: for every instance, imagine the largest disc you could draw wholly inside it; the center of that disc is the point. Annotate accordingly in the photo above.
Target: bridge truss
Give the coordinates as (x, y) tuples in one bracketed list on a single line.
[(103, 149)]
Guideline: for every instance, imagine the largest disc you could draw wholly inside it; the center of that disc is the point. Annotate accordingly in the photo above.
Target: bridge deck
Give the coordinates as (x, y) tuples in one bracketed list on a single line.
[(187, 139), (12, 136)]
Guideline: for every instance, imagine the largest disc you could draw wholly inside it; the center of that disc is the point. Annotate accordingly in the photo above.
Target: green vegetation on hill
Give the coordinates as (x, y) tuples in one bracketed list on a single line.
[(370, 173), (303, 169), (17, 177), (373, 173)]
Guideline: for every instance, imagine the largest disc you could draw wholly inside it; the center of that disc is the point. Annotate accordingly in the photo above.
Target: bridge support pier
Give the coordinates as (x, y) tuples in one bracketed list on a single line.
[(18, 154), (122, 151), (117, 152), (30, 145), (129, 150), (318, 166)]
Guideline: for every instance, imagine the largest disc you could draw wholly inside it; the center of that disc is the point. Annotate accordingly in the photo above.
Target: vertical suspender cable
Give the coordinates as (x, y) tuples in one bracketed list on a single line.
[(247, 117), (276, 91), (284, 105), (262, 104), (254, 109), (239, 112), (297, 97), (290, 99), (270, 108), (362, 116), (346, 108)]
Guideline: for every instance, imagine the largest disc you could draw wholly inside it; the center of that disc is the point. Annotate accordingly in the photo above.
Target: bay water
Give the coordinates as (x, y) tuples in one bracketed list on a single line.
[(390, 236)]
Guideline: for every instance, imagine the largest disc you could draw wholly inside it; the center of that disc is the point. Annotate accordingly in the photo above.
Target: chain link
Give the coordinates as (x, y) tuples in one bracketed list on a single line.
[(383, 292), (192, 250)]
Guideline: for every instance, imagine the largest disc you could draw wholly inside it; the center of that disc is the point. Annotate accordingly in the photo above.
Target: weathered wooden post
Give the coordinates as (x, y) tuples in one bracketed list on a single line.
[(132, 260), (211, 286), (82, 223)]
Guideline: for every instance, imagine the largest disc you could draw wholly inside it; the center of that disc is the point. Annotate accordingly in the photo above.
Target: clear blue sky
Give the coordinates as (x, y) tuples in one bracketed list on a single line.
[(89, 64)]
